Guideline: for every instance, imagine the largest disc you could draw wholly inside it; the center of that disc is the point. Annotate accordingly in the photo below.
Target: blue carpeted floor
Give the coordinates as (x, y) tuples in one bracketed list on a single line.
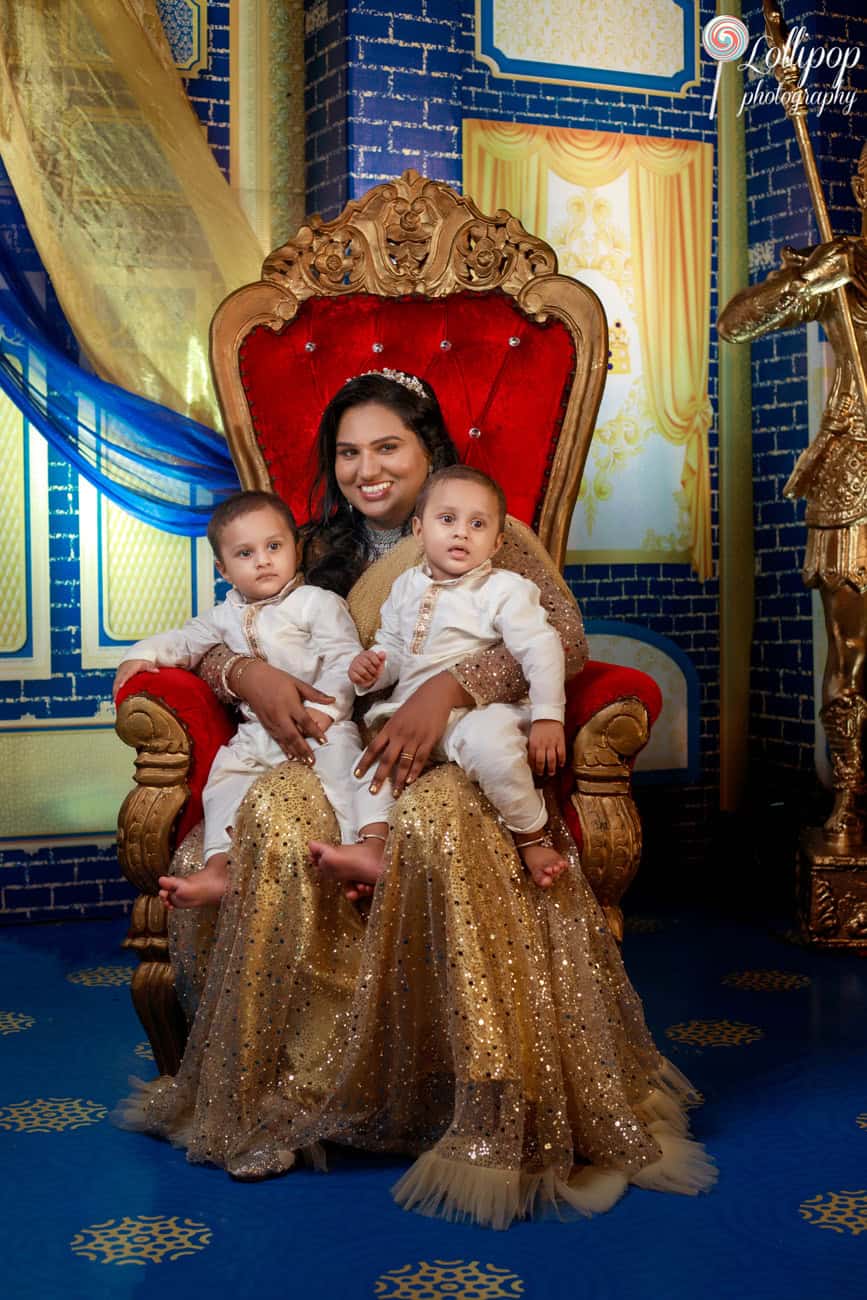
[(771, 1033)]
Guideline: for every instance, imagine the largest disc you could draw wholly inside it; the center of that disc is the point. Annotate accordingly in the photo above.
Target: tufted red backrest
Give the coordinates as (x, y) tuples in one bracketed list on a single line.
[(502, 380)]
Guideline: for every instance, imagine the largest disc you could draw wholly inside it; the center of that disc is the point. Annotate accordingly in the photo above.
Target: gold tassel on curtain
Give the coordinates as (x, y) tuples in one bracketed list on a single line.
[(133, 220), (507, 165)]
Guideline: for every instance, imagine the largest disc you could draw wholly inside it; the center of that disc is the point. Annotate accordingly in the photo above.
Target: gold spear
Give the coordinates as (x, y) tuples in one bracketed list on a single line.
[(795, 103)]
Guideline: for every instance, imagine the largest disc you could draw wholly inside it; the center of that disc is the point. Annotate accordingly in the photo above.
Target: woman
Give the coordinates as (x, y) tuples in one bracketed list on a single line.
[(478, 1022)]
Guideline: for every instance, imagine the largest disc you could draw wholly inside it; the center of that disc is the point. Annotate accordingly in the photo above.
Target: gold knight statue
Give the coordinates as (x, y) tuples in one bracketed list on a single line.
[(832, 475)]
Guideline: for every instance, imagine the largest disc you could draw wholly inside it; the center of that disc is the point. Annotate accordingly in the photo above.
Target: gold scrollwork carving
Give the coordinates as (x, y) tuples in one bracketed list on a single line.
[(824, 914), (157, 1006), (411, 235), (149, 811), (602, 753), (144, 832)]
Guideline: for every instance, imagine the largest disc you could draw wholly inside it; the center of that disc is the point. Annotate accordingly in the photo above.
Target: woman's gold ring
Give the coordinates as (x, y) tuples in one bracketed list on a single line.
[(404, 754)]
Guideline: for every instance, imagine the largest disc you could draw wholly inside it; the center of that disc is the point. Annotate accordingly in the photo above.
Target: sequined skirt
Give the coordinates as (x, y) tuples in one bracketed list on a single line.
[(478, 1023)]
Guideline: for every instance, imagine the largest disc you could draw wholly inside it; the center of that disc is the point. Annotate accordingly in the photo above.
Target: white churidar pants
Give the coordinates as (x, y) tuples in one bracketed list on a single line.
[(490, 745), (251, 752)]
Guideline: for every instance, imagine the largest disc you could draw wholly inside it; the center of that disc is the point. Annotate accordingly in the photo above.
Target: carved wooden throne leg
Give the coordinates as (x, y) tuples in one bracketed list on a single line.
[(610, 825), (144, 848)]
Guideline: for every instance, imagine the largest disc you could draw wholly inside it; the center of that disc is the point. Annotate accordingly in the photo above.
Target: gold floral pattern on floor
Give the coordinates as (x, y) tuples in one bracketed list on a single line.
[(766, 981), (714, 1033), (839, 1211), (444, 1278), (101, 976), (145, 1239), (50, 1114), (144, 1050), (13, 1022)]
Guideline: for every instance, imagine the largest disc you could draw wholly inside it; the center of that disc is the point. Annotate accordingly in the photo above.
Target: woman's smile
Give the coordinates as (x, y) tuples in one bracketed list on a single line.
[(375, 491)]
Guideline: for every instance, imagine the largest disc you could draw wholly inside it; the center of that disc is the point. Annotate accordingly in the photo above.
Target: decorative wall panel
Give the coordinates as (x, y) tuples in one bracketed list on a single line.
[(25, 625), (185, 23), (135, 580), (642, 46), (630, 216), (38, 806)]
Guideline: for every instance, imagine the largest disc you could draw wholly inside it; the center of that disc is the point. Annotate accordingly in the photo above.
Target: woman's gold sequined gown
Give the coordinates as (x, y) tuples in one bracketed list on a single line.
[(476, 1022)]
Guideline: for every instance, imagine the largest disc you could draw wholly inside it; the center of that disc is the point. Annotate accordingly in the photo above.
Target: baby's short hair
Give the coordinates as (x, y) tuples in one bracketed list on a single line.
[(462, 474), (244, 503)]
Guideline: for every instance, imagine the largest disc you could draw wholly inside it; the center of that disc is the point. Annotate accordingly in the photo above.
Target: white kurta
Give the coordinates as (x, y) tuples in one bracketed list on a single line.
[(305, 631), (427, 627)]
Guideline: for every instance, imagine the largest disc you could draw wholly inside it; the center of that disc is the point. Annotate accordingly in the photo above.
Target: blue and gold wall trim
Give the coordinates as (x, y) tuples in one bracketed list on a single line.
[(641, 48), (185, 23)]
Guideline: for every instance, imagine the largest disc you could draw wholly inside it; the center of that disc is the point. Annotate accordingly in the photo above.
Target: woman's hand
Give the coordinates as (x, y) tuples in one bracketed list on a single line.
[(278, 701), (546, 750), (403, 746), (366, 668), (128, 669)]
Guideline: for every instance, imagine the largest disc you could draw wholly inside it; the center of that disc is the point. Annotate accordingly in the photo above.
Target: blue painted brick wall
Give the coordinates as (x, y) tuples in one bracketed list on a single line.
[(209, 91), (326, 53)]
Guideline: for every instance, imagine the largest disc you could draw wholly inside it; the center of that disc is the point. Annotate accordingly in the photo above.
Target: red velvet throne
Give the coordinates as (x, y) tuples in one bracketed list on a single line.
[(413, 277)]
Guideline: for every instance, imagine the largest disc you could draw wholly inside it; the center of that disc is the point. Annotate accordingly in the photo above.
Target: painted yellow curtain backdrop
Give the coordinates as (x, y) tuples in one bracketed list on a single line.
[(133, 220), (670, 186)]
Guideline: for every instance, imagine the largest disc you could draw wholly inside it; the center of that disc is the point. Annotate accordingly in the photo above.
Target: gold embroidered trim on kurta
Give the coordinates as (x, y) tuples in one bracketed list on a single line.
[(252, 607), (425, 614), (430, 598), (248, 618)]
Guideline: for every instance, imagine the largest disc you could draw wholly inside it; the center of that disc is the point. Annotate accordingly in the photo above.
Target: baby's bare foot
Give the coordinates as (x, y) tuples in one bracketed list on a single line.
[(543, 863), (358, 866), (196, 890)]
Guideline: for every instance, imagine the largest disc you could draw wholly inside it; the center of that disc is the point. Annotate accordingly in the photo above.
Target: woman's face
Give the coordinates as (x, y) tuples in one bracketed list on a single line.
[(380, 464)]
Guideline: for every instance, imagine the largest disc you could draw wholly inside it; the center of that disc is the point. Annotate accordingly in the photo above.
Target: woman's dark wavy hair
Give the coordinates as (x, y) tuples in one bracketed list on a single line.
[(335, 542)]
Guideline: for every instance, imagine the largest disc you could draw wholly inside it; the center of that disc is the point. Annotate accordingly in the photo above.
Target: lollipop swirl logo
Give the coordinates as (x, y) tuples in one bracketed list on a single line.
[(725, 39)]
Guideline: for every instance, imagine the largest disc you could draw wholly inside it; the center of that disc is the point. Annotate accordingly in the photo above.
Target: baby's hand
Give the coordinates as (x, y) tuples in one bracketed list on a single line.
[(322, 720), (366, 667), (128, 669), (547, 746)]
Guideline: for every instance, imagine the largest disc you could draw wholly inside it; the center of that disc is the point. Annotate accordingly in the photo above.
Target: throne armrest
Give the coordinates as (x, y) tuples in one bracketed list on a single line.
[(609, 713), (176, 725)]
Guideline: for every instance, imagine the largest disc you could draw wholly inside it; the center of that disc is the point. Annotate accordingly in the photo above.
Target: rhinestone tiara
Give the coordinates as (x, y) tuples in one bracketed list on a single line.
[(397, 377)]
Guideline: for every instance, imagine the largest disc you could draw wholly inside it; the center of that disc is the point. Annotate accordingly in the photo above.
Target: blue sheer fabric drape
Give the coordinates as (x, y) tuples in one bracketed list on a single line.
[(163, 468)]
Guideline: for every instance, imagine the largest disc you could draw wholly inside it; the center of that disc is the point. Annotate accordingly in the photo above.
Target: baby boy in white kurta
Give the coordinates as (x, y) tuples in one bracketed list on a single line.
[(427, 626), (438, 613), (303, 630), (271, 615)]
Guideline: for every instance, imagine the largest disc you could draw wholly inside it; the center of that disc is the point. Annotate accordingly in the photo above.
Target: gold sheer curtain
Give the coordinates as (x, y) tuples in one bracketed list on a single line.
[(671, 207), (671, 187), (133, 220)]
